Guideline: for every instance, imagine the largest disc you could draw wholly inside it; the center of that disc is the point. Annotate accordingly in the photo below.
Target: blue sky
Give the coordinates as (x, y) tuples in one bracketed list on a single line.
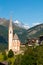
[(29, 12)]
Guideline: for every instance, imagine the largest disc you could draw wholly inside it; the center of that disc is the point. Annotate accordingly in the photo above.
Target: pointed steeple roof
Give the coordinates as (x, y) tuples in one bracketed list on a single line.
[(10, 21), (16, 37)]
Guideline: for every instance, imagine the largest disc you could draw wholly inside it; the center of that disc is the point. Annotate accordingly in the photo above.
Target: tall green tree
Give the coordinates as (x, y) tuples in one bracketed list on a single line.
[(10, 54)]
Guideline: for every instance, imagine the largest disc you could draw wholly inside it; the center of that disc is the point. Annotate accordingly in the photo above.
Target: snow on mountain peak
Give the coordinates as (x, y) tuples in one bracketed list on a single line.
[(26, 26), (20, 24), (16, 21)]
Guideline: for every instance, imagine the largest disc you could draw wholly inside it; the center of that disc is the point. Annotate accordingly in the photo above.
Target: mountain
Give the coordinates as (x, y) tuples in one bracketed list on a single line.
[(21, 25), (35, 31), (19, 29), (4, 24)]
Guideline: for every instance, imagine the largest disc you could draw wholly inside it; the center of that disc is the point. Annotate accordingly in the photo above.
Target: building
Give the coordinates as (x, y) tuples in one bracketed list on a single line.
[(13, 40)]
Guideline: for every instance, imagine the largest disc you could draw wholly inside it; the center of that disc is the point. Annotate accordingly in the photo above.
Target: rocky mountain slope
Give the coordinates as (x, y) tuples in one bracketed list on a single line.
[(35, 31)]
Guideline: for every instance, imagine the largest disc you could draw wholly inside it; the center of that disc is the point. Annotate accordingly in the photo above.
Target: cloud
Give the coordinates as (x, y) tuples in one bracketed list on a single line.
[(36, 23)]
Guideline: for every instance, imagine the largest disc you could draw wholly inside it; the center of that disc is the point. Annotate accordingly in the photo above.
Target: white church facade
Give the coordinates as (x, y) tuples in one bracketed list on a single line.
[(13, 40)]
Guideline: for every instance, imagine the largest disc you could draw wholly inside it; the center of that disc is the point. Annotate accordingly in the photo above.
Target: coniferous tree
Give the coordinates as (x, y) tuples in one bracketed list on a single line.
[(10, 54)]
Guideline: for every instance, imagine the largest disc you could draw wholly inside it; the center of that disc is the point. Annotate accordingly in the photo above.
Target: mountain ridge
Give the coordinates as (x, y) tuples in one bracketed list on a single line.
[(23, 34), (34, 31)]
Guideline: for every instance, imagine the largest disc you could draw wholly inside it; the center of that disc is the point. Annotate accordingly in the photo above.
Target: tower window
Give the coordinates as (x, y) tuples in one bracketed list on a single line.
[(10, 31)]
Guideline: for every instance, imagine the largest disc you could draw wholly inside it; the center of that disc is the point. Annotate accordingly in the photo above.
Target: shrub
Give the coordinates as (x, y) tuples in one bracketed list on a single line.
[(4, 55)]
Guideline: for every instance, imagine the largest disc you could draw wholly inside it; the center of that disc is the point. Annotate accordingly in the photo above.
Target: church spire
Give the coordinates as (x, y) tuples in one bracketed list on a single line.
[(10, 35), (10, 21)]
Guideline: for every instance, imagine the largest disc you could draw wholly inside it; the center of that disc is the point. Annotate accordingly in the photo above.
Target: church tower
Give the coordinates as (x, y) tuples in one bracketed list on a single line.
[(10, 35)]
